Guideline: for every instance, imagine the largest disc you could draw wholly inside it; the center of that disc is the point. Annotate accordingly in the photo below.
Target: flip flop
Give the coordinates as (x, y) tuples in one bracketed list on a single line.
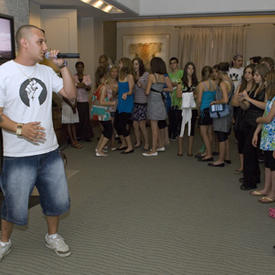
[(257, 193), (122, 148), (266, 200)]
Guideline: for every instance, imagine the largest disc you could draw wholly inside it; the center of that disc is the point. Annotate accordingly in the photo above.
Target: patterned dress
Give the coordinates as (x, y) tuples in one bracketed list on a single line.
[(268, 130), (99, 112)]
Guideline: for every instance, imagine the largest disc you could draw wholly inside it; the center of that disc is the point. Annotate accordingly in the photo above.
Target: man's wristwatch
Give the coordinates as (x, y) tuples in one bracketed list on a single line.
[(65, 63), (19, 129)]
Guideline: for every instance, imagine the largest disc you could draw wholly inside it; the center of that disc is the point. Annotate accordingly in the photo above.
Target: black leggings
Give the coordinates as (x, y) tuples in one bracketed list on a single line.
[(107, 128), (123, 119), (162, 124), (175, 118), (221, 136), (193, 122), (251, 164)]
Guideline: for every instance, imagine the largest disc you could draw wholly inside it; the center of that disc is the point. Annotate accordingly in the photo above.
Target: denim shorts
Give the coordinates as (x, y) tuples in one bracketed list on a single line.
[(20, 175)]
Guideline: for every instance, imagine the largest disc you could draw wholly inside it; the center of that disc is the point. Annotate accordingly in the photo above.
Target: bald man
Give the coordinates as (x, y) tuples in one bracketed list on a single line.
[(30, 148)]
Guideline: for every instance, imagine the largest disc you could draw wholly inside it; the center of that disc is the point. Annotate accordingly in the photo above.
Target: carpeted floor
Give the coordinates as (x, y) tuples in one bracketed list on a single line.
[(137, 215)]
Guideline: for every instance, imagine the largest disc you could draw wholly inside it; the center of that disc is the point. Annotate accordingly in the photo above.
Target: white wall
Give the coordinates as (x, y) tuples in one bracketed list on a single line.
[(260, 37), (90, 41), (133, 5), (260, 40), (60, 26), (172, 7), (68, 32), (19, 9), (35, 14)]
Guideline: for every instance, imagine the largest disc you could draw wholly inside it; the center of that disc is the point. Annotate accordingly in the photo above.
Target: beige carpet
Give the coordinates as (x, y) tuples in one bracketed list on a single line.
[(155, 216)]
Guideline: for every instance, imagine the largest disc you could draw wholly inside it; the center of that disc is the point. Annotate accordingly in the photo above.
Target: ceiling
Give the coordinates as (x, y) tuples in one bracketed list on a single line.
[(141, 9), (85, 9)]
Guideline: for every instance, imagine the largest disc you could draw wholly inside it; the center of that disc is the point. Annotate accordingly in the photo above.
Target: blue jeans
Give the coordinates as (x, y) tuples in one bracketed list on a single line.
[(21, 174)]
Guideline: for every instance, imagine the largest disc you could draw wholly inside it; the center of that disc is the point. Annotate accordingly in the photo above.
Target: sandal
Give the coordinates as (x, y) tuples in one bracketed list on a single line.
[(122, 148), (77, 145), (257, 193), (266, 200)]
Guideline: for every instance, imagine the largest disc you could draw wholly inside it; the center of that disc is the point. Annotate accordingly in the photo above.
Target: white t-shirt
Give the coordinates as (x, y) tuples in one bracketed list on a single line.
[(236, 76), (26, 96)]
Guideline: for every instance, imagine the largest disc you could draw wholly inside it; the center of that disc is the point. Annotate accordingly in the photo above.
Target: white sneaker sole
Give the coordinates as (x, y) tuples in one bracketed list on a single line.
[(6, 253), (60, 254), (150, 155)]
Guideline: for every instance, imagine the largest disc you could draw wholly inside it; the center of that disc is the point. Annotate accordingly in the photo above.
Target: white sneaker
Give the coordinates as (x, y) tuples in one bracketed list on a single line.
[(101, 154), (5, 249), (150, 154), (161, 149), (57, 243)]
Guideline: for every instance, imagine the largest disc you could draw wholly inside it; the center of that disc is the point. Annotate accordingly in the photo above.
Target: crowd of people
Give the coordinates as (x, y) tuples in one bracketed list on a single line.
[(125, 97), (224, 97)]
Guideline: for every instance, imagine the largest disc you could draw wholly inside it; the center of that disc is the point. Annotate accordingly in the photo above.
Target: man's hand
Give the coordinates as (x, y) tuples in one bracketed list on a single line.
[(33, 131), (57, 61)]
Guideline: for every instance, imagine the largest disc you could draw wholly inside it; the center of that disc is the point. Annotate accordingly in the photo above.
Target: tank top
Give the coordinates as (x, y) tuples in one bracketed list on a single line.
[(208, 96), (124, 106)]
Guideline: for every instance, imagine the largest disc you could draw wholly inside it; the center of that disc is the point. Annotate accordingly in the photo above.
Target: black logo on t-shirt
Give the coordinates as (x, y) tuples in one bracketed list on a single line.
[(31, 89), (234, 76)]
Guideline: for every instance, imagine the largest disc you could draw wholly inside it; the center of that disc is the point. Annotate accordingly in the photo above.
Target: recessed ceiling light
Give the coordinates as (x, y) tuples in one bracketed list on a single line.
[(107, 8), (98, 4), (103, 5)]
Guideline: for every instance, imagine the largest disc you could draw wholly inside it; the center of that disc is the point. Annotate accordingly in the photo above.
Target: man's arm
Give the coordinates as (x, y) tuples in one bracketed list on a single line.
[(31, 131), (69, 90)]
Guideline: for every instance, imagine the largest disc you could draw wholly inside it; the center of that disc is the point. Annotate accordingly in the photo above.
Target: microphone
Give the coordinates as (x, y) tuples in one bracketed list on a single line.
[(63, 55)]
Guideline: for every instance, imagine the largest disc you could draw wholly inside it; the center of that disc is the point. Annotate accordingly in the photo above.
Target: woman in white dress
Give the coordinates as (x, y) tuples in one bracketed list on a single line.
[(70, 118)]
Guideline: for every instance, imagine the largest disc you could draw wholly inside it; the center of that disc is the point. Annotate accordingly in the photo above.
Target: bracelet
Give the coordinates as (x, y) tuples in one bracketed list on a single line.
[(19, 129), (65, 63)]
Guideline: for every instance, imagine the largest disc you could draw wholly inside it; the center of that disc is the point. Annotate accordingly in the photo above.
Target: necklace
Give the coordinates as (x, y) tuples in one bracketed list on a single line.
[(31, 88)]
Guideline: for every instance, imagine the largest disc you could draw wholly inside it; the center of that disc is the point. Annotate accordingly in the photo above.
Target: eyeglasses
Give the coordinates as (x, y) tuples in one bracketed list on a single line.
[(173, 62)]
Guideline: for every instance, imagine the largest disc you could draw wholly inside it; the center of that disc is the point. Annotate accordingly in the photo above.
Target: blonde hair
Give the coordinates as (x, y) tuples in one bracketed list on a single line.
[(127, 67), (270, 85), (109, 78)]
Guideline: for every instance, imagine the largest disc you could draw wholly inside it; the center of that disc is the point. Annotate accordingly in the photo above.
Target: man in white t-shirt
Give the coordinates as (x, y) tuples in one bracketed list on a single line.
[(236, 70), (30, 148)]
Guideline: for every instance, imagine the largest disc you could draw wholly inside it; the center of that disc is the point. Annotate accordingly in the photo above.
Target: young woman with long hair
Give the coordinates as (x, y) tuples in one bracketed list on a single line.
[(83, 86), (125, 103), (189, 85), (112, 88), (206, 94), (249, 85), (140, 103), (156, 110), (222, 125), (266, 124), (100, 110), (254, 105)]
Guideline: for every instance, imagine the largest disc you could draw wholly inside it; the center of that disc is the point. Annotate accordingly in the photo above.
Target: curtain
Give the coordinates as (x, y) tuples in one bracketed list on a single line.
[(210, 45)]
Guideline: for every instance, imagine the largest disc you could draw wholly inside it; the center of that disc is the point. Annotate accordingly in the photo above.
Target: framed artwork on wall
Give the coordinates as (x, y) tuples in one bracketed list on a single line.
[(147, 46)]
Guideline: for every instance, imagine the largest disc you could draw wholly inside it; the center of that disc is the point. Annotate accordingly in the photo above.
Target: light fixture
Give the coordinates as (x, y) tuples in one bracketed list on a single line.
[(103, 6), (98, 4), (107, 8)]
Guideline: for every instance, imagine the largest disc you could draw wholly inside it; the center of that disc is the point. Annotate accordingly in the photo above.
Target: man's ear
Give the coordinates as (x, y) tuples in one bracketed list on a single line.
[(24, 42)]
